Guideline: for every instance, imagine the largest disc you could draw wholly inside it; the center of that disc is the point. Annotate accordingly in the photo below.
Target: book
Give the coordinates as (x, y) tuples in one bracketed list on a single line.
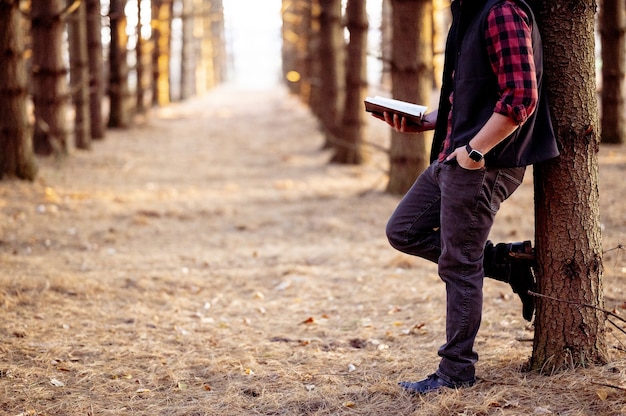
[(378, 105)]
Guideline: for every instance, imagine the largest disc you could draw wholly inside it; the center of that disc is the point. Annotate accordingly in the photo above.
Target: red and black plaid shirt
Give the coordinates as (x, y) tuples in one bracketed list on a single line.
[(509, 45)]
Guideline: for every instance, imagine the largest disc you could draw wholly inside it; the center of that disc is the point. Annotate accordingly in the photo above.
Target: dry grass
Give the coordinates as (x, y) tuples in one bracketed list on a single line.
[(212, 263)]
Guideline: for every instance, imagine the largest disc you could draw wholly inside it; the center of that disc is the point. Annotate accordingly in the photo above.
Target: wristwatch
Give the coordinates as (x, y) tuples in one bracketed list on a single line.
[(474, 154)]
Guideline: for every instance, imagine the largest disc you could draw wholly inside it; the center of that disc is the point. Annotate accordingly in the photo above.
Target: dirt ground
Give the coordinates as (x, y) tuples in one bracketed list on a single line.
[(211, 262)]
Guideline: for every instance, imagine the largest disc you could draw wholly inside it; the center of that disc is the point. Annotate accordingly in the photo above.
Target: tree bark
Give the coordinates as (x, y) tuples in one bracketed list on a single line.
[(79, 74), (188, 56), (96, 68), (568, 238), (213, 46), (296, 36), (348, 145), (412, 80), (312, 92), (332, 78), (120, 112), (143, 63), (50, 91), (16, 152), (161, 24), (613, 36)]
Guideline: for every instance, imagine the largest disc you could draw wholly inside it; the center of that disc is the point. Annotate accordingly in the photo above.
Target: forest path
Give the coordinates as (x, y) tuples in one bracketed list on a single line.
[(210, 261)]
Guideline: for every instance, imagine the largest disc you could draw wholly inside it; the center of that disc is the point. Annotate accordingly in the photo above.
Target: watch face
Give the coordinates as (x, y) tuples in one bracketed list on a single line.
[(475, 155)]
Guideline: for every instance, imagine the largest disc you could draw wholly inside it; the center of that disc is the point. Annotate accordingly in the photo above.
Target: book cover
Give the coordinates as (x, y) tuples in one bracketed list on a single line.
[(378, 105)]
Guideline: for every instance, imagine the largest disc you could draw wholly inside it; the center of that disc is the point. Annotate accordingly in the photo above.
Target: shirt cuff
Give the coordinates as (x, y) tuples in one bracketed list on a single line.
[(518, 114)]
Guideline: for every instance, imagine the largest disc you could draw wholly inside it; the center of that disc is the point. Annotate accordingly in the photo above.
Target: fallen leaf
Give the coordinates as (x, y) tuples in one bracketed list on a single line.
[(602, 394), (393, 310), (310, 320), (57, 383)]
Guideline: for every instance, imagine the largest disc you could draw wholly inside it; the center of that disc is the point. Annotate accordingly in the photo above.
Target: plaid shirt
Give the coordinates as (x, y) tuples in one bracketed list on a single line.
[(509, 45)]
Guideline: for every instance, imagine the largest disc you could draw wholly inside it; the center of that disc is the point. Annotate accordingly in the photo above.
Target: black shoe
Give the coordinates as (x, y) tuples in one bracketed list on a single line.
[(522, 278), (512, 263), (431, 383)]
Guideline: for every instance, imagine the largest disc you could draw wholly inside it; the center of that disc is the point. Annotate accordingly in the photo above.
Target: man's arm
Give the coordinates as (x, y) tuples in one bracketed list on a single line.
[(497, 128), (510, 49)]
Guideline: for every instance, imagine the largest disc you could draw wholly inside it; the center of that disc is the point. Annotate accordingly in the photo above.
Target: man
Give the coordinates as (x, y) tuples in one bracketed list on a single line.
[(492, 121)]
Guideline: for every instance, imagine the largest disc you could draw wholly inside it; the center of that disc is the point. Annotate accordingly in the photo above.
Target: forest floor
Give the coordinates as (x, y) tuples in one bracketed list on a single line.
[(210, 261)]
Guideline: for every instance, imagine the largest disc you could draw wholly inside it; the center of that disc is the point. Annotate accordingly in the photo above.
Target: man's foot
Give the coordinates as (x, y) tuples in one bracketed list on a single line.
[(522, 278), (431, 383), (512, 263)]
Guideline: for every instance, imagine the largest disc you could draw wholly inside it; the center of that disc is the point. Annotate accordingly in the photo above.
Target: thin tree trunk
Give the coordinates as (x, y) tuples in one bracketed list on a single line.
[(188, 61), (161, 26), (568, 238), (79, 73), (217, 33), (140, 51), (120, 112), (50, 91), (332, 75), (207, 78), (312, 91), (613, 35), (348, 145), (441, 23), (16, 151), (386, 45), (96, 68), (412, 81), (296, 18)]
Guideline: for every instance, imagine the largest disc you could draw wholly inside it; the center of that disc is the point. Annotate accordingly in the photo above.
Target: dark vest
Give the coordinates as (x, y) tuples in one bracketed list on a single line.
[(476, 90)]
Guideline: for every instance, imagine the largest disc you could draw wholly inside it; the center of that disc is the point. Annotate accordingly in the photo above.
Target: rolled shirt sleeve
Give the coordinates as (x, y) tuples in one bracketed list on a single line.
[(509, 45)]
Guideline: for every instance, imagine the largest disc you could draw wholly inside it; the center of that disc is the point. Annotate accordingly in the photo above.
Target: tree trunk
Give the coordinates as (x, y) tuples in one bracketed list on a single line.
[(442, 19), (96, 68), (161, 25), (613, 35), (188, 56), (568, 239), (412, 80), (386, 44), (213, 45), (16, 151), (296, 34), (312, 90), (143, 63), (332, 76), (50, 92), (348, 145), (119, 94), (79, 74)]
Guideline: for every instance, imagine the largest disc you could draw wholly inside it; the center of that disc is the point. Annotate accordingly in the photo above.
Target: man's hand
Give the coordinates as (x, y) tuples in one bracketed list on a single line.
[(463, 159), (403, 125)]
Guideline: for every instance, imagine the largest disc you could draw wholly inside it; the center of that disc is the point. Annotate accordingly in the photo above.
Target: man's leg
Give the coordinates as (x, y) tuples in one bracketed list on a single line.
[(414, 227), (469, 202)]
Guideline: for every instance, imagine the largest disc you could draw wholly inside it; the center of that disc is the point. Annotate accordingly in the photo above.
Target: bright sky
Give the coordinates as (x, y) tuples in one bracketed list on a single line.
[(253, 32)]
